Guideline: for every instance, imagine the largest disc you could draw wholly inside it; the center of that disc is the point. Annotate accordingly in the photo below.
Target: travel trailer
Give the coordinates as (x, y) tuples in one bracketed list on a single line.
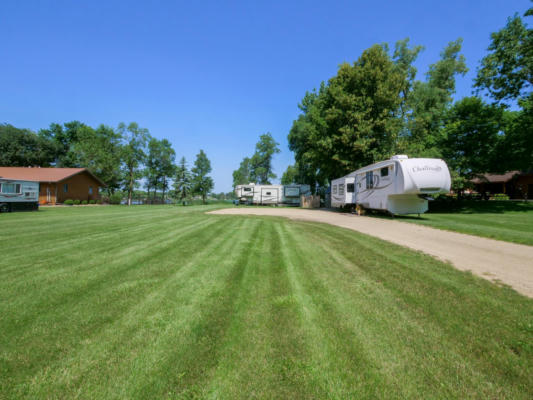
[(18, 195), (271, 194), (400, 185)]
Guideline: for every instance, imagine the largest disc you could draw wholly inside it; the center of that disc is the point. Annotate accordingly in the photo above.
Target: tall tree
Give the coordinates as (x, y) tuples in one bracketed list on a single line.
[(352, 120), (23, 148), (430, 100), (243, 175), (133, 152), (99, 150), (182, 181), (290, 175), (64, 138), (473, 139), (202, 183), (506, 73), (153, 166), (167, 167), (261, 170)]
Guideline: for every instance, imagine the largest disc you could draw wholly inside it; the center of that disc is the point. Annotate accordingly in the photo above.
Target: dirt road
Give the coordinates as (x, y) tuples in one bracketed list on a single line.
[(510, 263)]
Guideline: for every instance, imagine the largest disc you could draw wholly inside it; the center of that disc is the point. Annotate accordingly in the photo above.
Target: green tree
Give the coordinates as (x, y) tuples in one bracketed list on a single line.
[(506, 73), (353, 120), (167, 167), (429, 102), (473, 139), (291, 175), (99, 150), (64, 138), (182, 181), (202, 183), (23, 148), (133, 153), (152, 168), (243, 175), (261, 170)]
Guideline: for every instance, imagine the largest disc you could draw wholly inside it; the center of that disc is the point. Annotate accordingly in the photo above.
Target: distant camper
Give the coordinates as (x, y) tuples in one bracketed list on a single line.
[(400, 185), (18, 195), (271, 194)]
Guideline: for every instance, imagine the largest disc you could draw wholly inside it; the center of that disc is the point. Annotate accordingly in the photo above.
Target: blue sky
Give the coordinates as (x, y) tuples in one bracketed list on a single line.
[(210, 75)]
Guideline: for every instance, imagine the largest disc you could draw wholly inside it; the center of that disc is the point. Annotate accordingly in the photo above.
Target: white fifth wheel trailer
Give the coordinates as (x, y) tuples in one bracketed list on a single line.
[(271, 194), (400, 185), (18, 195)]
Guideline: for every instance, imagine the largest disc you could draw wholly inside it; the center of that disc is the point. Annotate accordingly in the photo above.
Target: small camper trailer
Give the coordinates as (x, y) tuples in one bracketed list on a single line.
[(18, 195), (271, 194), (400, 185)]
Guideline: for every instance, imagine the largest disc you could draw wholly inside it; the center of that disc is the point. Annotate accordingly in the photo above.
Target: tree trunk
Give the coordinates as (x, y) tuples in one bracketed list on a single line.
[(164, 185), (130, 189)]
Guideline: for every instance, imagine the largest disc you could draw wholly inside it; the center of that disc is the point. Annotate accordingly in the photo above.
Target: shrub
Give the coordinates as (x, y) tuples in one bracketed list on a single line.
[(115, 198), (76, 202), (500, 196), (84, 202), (92, 201), (98, 201), (68, 202)]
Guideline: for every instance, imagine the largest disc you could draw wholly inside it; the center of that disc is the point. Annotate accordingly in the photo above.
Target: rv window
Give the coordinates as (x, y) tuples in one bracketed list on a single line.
[(350, 187), (369, 180), (268, 193), (334, 189), (341, 189), (11, 188), (247, 189), (384, 171)]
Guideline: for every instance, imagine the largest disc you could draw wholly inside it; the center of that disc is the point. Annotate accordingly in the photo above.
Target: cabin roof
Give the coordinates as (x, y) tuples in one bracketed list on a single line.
[(496, 178), (37, 174)]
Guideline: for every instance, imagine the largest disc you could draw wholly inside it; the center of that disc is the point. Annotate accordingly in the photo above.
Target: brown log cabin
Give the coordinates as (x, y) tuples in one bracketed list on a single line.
[(58, 184), (515, 184)]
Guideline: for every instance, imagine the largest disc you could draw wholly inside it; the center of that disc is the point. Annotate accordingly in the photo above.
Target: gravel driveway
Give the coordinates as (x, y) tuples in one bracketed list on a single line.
[(509, 263)]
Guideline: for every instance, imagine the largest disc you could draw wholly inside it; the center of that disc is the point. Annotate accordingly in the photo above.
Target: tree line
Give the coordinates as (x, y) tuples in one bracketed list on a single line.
[(375, 108), (122, 158)]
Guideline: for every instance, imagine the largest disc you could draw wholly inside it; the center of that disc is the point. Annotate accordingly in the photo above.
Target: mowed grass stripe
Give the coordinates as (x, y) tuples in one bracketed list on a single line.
[(154, 327), (167, 303), (264, 354), (432, 343)]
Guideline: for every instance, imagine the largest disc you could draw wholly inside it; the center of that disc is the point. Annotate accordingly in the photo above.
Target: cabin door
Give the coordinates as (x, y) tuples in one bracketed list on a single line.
[(45, 193)]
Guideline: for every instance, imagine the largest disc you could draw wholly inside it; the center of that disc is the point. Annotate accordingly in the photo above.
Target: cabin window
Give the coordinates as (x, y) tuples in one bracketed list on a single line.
[(334, 191), (11, 188), (341, 189), (350, 188), (247, 189), (65, 188), (369, 180), (90, 190), (384, 171)]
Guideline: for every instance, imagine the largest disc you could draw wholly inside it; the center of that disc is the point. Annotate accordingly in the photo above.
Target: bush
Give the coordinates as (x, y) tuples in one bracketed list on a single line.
[(92, 201), (500, 196), (98, 201), (76, 202), (68, 202), (84, 202), (115, 198)]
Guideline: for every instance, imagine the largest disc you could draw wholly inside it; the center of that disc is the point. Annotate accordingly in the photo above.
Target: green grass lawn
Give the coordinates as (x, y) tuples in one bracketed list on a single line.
[(167, 302), (502, 220)]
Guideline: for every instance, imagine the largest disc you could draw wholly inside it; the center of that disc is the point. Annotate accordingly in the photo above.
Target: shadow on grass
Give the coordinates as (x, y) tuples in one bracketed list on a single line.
[(479, 206)]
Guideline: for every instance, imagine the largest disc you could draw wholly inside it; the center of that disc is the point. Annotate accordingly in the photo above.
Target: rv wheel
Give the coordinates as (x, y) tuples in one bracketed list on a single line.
[(4, 208)]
